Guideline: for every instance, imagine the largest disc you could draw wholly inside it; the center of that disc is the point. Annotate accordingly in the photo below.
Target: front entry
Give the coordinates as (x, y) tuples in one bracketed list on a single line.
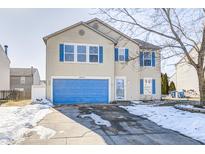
[(120, 88)]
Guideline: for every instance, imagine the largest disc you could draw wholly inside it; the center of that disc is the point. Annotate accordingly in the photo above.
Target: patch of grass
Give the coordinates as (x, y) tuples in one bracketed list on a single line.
[(3, 101), (17, 103)]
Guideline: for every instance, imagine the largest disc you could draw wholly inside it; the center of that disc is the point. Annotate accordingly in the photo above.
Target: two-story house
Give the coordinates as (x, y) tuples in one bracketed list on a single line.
[(4, 69), (92, 62)]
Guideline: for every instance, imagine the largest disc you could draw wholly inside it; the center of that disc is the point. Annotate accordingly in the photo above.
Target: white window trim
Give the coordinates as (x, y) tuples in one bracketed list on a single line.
[(87, 53), (119, 55), (144, 86), (81, 77), (125, 85), (65, 53), (81, 53), (147, 58)]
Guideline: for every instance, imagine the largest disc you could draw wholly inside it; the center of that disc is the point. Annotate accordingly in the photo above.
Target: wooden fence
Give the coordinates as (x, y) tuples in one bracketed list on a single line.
[(11, 95)]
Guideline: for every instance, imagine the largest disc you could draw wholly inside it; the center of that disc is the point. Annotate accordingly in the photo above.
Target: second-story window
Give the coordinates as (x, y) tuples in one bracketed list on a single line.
[(121, 54), (147, 59), (93, 54), (69, 53), (81, 53)]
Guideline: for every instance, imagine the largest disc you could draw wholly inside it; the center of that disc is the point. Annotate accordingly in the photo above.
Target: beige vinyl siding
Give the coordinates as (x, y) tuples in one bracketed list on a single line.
[(132, 70), (56, 68), (109, 68)]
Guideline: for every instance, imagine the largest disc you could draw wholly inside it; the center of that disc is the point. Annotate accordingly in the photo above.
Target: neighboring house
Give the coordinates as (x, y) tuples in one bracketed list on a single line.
[(23, 78), (4, 69), (92, 62), (185, 76)]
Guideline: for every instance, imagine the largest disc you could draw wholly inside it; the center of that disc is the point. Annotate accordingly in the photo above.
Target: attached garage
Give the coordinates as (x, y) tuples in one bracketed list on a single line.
[(80, 91)]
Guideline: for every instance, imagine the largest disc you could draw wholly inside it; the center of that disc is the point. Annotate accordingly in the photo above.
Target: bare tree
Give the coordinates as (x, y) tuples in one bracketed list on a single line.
[(177, 31)]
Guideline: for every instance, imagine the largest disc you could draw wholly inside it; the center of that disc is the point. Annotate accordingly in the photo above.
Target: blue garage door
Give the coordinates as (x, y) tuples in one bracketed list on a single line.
[(79, 91)]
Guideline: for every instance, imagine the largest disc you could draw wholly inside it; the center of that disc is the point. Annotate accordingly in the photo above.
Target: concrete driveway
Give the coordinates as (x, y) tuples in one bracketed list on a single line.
[(126, 128)]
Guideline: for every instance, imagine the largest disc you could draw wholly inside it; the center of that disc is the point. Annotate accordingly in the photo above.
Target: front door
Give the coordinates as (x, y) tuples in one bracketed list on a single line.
[(120, 88)]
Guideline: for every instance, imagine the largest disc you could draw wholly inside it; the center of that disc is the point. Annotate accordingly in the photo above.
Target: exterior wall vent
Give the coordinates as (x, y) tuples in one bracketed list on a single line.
[(81, 32)]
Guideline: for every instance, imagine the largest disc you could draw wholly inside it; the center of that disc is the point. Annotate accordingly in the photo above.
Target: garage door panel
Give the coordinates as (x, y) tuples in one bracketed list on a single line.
[(72, 91)]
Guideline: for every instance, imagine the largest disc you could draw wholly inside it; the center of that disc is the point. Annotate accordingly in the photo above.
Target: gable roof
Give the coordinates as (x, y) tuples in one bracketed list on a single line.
[(75, 25), (22, 71), (142, 44), (114, 29), (146, 45)]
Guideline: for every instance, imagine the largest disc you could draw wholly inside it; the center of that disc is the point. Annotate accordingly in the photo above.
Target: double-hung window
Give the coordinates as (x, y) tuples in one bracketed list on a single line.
[(93, 54), (81, 53), (121, 54), (147, 86), (69, 53), (147, 59)]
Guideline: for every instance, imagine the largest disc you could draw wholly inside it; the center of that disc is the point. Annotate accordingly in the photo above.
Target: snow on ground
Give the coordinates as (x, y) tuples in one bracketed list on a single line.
[(137, 102), (43, 132), (97, 119), (187, 123), (184, 106), (15, 122)]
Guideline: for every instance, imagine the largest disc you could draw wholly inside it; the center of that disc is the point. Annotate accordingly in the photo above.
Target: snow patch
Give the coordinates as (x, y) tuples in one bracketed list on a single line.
[(97, 119), (43, 132), (185, 106), (187, 123), (137, 102), (15, 122)]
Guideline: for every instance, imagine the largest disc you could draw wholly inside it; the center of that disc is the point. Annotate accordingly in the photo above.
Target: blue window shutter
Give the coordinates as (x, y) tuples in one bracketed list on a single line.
[(153, 59), (61, 52), (141, 86), (153, 86), (126, 54), (116, 54), (141, 58), (101, 54)]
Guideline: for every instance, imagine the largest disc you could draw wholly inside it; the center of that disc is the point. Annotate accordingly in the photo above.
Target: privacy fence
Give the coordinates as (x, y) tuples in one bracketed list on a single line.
[(11, 95)]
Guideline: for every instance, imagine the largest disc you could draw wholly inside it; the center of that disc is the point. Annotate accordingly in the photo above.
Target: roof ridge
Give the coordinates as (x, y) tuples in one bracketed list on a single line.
[(84, 23), (111, 27), (74, 25)]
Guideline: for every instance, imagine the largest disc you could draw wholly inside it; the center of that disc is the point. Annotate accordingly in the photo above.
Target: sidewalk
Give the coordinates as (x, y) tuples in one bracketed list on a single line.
[(67, 130)]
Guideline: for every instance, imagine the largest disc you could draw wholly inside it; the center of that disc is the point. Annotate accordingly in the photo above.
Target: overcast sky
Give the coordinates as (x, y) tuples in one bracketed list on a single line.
[(23, 29)]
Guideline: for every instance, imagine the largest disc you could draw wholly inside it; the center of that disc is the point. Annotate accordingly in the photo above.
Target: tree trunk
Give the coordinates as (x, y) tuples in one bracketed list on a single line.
[(201, 86)]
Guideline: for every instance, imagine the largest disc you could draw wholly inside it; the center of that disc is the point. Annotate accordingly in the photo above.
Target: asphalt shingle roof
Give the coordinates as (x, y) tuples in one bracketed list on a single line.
[(22, 71), (146, 45)]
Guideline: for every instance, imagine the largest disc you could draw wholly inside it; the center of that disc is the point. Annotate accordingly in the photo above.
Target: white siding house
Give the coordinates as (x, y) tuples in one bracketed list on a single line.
[(185, 76), (4, 70)]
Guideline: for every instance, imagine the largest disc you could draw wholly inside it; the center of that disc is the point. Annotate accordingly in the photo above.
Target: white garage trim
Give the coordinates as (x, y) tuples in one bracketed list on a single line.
[(81, 77)]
